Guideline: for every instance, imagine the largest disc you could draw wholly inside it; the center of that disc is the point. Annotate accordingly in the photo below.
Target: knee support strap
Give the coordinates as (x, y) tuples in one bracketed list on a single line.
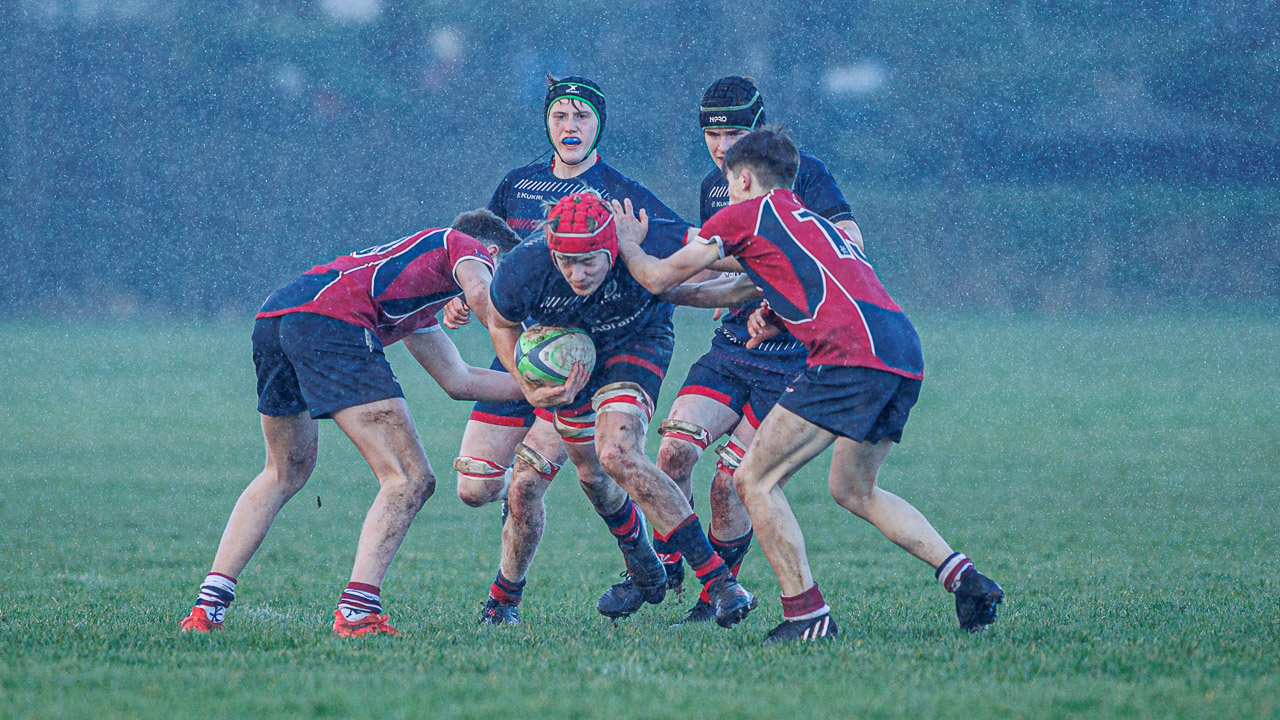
[(687, 431), (545, 468), (729, 456), (625, 397), (478, 468), (578, 430)]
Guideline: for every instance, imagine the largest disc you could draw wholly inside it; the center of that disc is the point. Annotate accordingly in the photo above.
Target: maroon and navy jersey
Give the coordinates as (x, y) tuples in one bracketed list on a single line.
[(520, 196), (393, 289), (819, 192), (818, 281)]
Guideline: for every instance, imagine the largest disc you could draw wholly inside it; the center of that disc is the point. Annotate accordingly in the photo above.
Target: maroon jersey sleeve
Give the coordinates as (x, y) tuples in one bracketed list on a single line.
[(731, 227), (461, 246)]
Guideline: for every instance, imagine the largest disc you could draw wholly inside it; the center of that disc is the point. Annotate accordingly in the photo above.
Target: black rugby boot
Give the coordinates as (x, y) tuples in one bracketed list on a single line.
[(731, 601), (702, 611), (499, 613), (976, 601), (812, 629)]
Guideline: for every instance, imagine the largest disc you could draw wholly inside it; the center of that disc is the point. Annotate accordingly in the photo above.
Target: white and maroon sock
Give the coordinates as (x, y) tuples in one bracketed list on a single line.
[(805, 606), (216, 593), (359, 601), (952, 570)]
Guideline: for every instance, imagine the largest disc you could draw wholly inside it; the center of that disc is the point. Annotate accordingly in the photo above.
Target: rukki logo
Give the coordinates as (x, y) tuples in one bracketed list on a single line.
[(718, 118)]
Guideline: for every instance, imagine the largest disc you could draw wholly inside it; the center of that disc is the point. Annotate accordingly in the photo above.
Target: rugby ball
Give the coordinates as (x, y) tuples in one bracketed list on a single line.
[(545, 354)]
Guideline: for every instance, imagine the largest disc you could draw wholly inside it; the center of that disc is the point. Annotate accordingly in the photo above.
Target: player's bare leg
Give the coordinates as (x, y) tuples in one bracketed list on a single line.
[(783, 444), (484, 458), (385, 435), (620, 446), (538, 459), (678, 452), (729, 517), (291, 456), (852, 482)]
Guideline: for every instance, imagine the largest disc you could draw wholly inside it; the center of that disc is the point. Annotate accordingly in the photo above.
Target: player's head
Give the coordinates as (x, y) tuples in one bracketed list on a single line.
[(491, 230), (574, 112), (731, 108), (583, 240), (763, 160)]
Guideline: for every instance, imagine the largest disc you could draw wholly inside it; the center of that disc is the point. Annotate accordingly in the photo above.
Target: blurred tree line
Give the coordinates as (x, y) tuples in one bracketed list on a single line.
[(188, 156)]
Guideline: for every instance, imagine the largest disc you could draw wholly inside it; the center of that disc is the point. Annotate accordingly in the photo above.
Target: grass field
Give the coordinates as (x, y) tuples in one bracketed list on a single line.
[(1119, 476)]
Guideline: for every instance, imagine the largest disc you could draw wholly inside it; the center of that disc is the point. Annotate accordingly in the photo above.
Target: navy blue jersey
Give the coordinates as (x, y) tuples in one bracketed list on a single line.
[(527, 284), (520, 196)]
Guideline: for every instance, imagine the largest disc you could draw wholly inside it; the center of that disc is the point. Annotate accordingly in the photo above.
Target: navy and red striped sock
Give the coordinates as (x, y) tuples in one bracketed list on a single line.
[(506, 591), (689, 540), (732, 552), (808, 604), (216, 594), (359, 601), (624, 522), (667, 554)]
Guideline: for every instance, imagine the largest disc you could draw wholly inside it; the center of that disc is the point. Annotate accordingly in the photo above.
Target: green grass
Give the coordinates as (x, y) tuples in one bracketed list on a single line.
[(1117, 475)]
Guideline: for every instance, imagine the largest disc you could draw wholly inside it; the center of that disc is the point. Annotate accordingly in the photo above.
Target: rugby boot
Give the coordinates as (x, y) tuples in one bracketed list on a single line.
[(645, 569), (621, 599), (198, 621), (812, 629), (371, 624), (702, 611), (731, 601), (976, 601), (675, 576), (499, 613)]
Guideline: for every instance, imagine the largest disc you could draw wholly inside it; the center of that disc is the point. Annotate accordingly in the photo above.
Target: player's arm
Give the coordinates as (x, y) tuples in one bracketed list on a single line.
[(439, 357), (657, 275), (726, 291), (505, 334), (474, 277)]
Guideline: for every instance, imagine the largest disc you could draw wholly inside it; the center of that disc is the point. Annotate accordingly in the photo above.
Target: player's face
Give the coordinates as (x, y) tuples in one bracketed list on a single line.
[(584, 273), (573, 126), (719, 140)]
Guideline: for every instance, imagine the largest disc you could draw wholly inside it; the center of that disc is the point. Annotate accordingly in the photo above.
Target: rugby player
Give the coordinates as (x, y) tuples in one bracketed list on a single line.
[(862, 376), (574, 113), (318, 349), (731, 387), (569, 278)]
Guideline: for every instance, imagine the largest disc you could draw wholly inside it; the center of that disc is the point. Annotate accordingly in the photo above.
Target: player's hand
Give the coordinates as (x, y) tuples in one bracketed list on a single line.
[(719, 312), (631, 228), (455, 314), (760, 327), (548, 396)]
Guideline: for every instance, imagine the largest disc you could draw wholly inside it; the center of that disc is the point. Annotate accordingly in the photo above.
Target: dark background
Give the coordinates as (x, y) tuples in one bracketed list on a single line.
[(184, 158)]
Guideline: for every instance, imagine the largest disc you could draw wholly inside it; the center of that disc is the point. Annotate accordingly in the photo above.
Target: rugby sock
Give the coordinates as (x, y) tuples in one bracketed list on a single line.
[(216, 594), (667, 554), (359, 601), (950, 572), (505, 591), (732, 553), (689, 540), (624, 522), (807, 605)]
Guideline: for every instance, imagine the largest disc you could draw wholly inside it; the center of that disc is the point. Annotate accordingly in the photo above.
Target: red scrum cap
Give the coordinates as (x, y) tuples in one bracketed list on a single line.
[(581, 223)]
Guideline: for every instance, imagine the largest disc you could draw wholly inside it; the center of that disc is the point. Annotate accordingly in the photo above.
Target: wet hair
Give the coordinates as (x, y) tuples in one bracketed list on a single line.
[(769, 153), (488, 228)]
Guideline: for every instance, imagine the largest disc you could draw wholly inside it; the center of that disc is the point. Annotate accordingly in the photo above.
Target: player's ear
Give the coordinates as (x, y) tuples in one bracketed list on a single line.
[(495, 252)]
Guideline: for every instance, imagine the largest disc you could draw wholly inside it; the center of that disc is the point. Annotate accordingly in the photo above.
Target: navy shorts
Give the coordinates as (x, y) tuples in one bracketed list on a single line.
[(643, 361), (508, 413), (309, 362), (856, 402), (748, 389)]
